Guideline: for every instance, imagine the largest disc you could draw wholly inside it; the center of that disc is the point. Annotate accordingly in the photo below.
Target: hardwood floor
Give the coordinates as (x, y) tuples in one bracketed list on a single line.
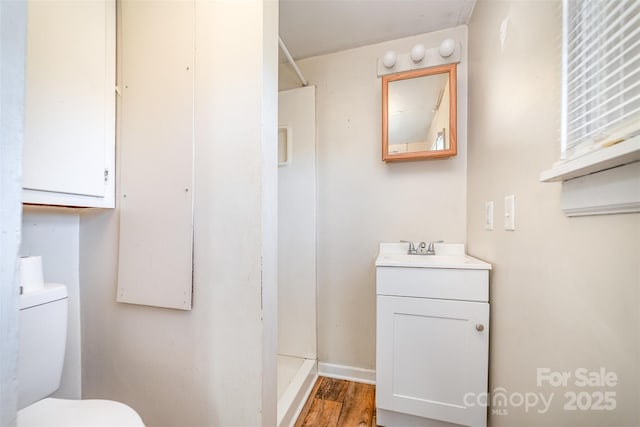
[(339, 403)]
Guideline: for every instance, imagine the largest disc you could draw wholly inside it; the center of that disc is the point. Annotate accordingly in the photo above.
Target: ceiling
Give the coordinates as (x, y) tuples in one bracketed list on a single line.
[(315, 27)]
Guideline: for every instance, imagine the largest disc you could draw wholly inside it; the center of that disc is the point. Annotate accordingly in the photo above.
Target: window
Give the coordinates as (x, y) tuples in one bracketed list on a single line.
[(601, 74), (600, 123)]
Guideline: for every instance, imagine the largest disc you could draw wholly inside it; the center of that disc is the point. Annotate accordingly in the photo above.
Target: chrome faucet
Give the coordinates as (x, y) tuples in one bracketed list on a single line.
[(423, 248), (431, 249), (412, 248)]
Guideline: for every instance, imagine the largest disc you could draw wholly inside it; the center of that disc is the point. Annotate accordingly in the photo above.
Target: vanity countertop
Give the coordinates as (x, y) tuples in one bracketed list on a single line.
[(448, 255)]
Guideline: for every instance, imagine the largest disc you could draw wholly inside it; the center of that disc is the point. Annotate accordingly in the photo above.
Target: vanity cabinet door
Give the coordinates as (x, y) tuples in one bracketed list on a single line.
[(69, 128), (431, 354)]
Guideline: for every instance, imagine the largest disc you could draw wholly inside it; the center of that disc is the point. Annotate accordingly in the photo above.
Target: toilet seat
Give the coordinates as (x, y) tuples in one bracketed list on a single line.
[(52, 412)]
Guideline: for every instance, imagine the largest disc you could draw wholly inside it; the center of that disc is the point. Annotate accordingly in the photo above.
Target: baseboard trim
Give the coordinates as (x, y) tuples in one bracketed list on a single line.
[(343, 372)]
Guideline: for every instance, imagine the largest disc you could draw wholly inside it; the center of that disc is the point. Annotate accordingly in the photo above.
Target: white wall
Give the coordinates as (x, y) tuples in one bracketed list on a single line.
[(53, 233), (269, 210), (213, 365), (13, 24), (363, 201), (565, 292), (297, 227)]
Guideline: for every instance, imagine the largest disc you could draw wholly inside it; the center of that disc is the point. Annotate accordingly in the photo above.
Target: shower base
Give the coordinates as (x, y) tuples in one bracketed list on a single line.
[(296, 377)]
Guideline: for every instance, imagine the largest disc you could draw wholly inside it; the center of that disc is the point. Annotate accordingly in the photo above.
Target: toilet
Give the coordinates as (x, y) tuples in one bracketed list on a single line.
[(42, 341)]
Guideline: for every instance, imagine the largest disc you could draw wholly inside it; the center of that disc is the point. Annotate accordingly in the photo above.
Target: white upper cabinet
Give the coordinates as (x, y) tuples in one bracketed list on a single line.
[(69, 136)]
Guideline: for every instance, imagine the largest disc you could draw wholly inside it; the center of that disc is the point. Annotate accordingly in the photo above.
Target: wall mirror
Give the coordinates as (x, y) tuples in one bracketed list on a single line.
[(419, 114)]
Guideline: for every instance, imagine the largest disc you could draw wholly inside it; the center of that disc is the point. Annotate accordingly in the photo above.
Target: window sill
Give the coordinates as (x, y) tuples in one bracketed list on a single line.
[(600, 183), (613, 191), (607, 158)]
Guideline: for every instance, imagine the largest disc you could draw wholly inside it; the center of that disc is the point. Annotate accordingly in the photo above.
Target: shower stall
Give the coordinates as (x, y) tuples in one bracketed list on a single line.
[(297, 349)]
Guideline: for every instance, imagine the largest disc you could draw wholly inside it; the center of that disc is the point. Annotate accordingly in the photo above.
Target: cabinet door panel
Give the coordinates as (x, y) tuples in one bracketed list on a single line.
[(70, 102), (156, 158), (430, 355)]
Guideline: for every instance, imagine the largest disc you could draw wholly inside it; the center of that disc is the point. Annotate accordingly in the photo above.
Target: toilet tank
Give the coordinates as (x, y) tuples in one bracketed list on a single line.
[(42, 338)]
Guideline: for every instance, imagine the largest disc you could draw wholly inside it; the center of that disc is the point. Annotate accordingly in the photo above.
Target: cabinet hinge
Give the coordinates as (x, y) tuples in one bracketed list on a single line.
[(106, 175)]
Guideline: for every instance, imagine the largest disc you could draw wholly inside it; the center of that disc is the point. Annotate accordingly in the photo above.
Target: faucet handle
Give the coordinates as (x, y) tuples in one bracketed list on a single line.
[(431, 249), (412, 248)]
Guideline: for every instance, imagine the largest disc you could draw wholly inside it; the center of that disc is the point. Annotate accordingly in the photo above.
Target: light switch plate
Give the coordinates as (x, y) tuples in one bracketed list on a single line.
[(488, 215), (510, 213)]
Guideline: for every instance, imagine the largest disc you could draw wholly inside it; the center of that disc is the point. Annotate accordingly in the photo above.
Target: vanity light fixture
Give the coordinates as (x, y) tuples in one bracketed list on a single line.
[(389, 59), (417, 53), (447, 47), (421, 55)]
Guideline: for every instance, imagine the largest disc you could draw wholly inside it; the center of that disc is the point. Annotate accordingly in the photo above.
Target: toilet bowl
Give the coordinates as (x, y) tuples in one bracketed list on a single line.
[(52, 412), (42, 339)]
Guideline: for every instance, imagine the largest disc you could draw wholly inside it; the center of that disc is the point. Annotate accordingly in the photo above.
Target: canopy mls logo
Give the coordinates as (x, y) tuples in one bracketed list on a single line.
[(594, 393), (500, 400)]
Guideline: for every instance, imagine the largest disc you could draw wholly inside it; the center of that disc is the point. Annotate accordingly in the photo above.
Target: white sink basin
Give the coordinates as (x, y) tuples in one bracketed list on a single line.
[(450, 274), (448, 255)]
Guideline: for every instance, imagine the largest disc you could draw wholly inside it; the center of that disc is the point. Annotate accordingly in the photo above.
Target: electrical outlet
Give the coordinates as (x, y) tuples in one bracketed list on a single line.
[(488, 215), (510, 213)]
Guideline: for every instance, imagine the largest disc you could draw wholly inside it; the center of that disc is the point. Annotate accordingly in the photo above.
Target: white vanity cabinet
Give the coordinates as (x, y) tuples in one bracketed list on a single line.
[(69, 128), (432, 337)]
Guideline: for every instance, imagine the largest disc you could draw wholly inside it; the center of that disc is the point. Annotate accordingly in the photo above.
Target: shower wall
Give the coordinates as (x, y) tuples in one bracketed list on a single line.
[(297, 227)]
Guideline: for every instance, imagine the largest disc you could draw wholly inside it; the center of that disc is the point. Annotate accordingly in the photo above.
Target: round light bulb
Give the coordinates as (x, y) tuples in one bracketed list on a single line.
[(389, 59), (417, 53), (447, 47)]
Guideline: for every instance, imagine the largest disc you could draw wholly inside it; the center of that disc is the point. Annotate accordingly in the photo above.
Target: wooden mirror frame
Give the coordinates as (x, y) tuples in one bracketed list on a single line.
[(430, 154)]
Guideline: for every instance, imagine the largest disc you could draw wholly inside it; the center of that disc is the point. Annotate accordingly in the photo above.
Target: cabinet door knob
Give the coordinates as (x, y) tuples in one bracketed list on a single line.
[(479, 327)]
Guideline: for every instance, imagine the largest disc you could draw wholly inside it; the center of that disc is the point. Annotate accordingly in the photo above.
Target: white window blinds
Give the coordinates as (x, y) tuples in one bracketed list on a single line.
[(601, 74)]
